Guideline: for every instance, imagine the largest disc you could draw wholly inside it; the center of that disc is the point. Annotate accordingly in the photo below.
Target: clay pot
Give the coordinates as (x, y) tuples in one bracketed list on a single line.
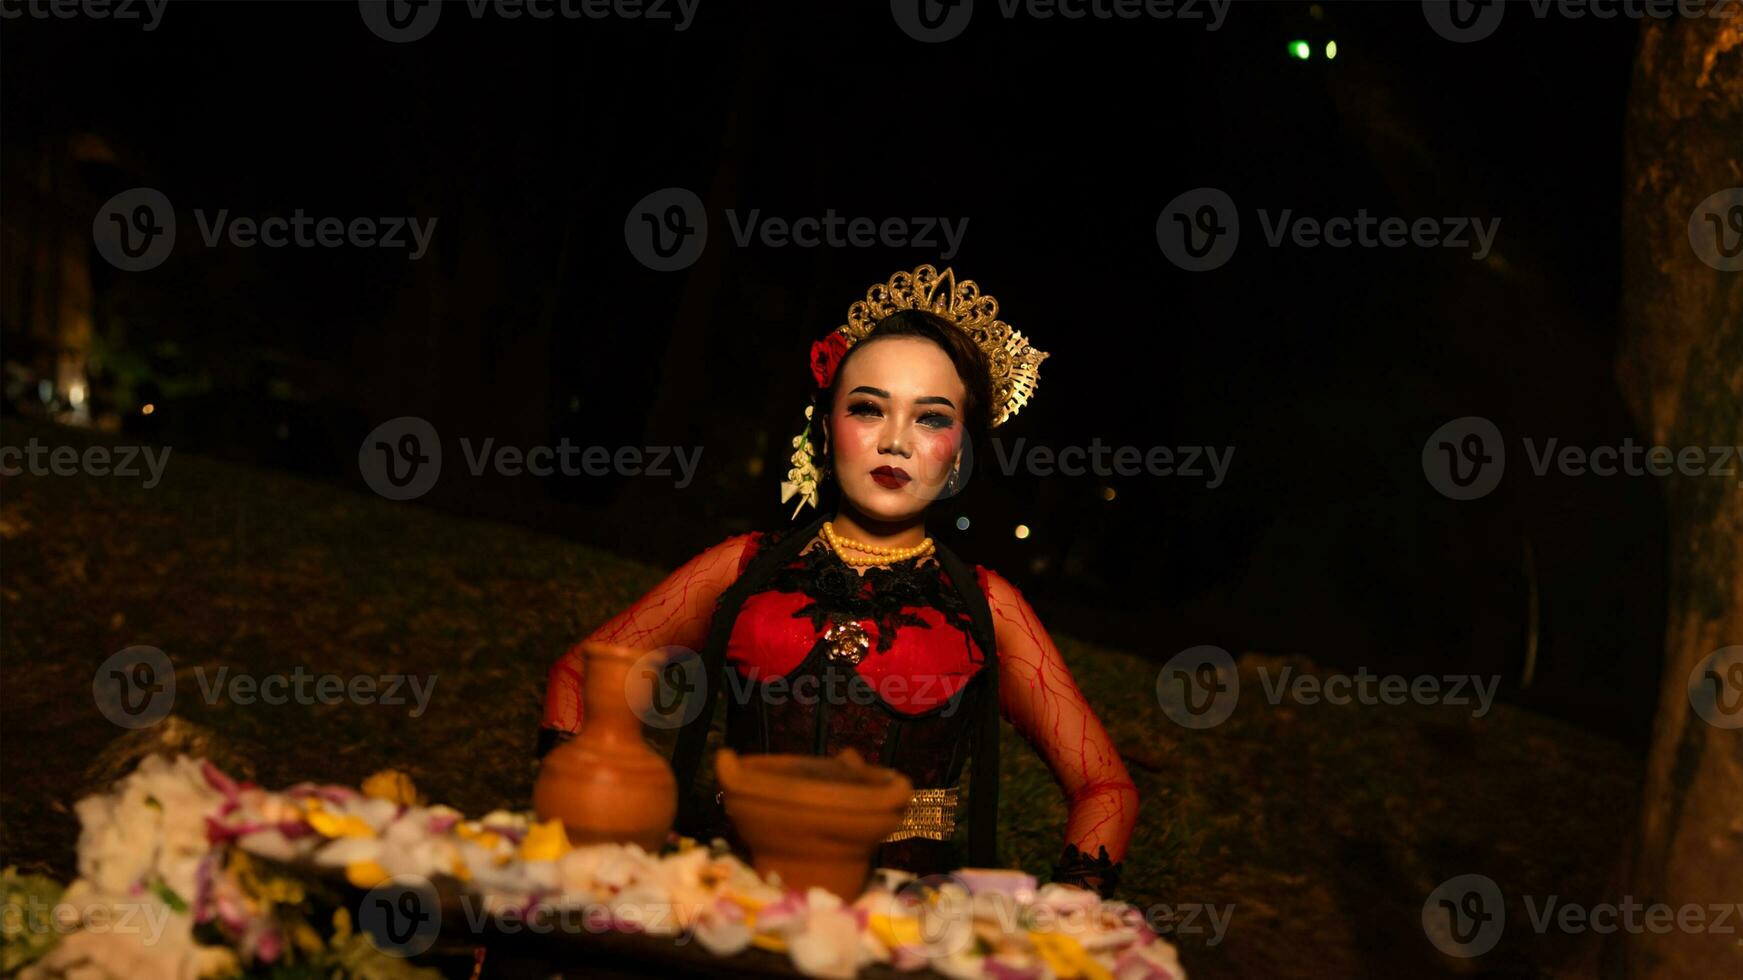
[(607, 784), (814, 821)]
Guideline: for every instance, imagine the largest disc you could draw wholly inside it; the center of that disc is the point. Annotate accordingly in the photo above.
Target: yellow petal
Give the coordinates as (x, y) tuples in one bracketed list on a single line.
[(306, 938), (328, 825), (393, 786), (459, 869), (216, 961), (365, 874), (1066, 957), (473, 831), (772, 943), (750, 905), (547, 841), (894, 932)]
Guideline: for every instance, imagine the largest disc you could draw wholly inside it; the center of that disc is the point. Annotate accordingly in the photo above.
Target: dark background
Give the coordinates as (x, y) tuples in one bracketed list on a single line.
[(1061, 141)]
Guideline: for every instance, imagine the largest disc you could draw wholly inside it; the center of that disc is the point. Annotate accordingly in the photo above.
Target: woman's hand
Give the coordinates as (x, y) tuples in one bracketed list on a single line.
[(677, 612), (1038, 696)]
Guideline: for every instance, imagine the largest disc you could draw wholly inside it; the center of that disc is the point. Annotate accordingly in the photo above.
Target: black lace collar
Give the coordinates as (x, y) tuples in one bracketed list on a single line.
[(887, 595)]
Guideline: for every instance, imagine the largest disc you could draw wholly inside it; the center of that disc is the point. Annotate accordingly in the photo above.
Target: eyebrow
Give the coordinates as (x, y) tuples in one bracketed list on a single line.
[(928, 400)]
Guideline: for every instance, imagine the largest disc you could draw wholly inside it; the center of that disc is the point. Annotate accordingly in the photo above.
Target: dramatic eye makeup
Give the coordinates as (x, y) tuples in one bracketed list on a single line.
[(869, 409)]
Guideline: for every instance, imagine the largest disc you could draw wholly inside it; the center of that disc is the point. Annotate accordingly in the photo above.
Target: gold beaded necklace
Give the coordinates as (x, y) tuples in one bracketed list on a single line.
[(871, 554)]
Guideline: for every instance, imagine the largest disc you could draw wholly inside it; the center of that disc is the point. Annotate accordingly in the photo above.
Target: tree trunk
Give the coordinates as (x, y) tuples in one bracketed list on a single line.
[(1681, 367)]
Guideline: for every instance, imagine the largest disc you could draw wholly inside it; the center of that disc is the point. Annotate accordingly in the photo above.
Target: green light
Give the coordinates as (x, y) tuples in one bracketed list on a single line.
[(1300, 49), (1331, 50)]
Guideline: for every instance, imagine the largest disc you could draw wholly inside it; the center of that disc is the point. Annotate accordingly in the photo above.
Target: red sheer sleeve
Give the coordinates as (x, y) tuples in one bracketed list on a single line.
[(677, 612), (1039, 698)]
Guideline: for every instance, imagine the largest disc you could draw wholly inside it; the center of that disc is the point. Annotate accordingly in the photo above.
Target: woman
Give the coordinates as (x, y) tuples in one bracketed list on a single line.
[(909, 655)]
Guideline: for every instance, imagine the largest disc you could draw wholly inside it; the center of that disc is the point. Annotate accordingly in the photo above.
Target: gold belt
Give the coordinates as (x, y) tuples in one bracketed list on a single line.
[(931, 814)]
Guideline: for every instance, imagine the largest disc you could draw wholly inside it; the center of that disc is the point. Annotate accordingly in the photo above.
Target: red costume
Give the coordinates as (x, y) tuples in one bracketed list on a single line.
[(900, 704)]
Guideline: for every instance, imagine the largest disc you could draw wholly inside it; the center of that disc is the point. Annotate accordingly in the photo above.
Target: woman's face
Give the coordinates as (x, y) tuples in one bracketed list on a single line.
[(896, 426)]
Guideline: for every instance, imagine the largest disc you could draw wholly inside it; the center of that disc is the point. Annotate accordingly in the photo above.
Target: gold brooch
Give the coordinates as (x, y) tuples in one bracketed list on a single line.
[(848, 642)]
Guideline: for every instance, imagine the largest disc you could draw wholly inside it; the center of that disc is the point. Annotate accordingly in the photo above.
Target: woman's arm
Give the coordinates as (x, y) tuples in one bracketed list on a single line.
[(677, 612), (1039, 698)]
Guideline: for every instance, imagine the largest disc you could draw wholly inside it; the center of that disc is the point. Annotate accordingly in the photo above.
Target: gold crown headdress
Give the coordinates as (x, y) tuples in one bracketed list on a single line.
[(1014, 366)]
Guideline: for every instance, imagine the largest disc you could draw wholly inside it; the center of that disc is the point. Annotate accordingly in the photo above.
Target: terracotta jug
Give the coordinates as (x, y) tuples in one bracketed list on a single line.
[(815, 821), (607, 784)]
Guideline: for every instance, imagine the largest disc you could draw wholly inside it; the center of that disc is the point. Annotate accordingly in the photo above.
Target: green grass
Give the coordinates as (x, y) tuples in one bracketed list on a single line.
[(1324, 827)]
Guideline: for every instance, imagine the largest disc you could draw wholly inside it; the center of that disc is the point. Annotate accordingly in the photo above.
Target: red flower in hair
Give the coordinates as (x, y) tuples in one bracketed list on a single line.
[(826, 355)]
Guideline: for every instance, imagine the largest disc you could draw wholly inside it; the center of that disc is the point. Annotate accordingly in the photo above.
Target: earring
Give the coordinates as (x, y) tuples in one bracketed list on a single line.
[(803, 478)]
